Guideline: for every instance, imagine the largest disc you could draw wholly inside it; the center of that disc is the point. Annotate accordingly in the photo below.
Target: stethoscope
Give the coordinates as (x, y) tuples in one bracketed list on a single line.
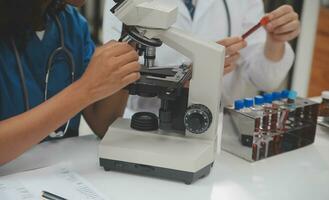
[(229, 21), (62, 49)]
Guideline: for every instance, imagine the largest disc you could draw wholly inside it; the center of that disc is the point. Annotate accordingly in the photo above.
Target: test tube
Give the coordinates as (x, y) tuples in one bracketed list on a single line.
[(287, 108), (259, 110), (248, 104), (259, 102), (284, 95), (277, 141), (291, 103), (263, 22), (281, 106), (267, 111), (262, 149), (276, 104), (256, 147), (238, 105), (255, 151)]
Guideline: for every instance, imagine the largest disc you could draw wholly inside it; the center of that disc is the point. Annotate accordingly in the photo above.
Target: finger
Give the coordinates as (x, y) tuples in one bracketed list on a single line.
[(282, 21), (235, 48), (126, 58), (129, 68), (280, 12), (133, 77), (111, 42), (229, 41), (118, 48), (292, 26), (229, 69), (107, 44), (232, 59), (124, 47), (114, 50), (286, 36)]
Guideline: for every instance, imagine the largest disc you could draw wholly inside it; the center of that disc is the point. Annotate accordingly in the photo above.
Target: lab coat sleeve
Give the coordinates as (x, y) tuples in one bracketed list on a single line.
[(112, 27), (263, 73)]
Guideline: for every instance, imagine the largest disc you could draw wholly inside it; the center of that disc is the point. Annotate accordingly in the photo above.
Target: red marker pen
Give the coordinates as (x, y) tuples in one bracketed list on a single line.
[(263, 22)]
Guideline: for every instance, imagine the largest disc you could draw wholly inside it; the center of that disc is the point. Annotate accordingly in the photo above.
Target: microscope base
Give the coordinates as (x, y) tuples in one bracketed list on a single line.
[(156, 153), (159, 172)]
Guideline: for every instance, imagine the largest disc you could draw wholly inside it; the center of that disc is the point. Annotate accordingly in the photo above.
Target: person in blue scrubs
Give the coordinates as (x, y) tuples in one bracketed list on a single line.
[(29, 34)]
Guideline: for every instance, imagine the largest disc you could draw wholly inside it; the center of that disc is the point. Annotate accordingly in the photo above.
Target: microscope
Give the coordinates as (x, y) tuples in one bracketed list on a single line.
[(180, 143)]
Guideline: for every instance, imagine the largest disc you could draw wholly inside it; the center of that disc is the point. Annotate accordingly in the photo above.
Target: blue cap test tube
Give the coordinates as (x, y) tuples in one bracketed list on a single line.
[(268, 98), (292, 95), (248, 102), (276, 96), (259, 100), (285, 94), (238, 104)]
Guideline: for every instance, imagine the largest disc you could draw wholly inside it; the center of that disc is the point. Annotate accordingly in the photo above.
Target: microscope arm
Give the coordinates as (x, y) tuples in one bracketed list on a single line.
[(208, 62)]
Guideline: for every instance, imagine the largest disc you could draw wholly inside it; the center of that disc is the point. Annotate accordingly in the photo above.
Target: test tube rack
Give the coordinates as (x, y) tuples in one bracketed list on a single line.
[(254, 137)]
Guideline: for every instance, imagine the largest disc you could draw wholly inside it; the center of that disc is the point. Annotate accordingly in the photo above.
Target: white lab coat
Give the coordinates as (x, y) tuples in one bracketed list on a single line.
[(254, 71)]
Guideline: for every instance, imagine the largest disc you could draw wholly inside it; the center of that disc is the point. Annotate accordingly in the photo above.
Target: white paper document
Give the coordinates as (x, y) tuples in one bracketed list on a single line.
[(59, 180)]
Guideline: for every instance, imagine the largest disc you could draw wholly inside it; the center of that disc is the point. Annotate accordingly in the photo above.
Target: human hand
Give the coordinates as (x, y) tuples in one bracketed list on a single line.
[(284, 24), (112, 67), (233, 46)]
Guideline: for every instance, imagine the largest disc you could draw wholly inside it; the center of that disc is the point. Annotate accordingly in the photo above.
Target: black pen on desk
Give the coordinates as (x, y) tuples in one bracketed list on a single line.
[(50, 196)]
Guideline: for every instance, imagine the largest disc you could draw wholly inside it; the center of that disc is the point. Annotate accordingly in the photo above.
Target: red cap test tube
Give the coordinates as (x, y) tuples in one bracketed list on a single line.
[(263, 22)]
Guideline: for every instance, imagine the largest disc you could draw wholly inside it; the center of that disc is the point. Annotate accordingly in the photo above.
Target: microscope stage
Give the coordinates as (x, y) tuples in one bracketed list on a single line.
[(160, 81)]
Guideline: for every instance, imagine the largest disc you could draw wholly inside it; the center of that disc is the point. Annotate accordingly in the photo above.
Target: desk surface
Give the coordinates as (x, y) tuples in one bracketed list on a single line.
[(301, 174)]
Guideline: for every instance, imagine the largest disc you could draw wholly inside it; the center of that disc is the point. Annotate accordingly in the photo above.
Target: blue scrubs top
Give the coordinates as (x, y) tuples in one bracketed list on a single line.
[(34, 60)]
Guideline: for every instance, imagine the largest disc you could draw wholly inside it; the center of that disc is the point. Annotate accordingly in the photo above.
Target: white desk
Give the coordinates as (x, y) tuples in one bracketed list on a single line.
[(302, 174)]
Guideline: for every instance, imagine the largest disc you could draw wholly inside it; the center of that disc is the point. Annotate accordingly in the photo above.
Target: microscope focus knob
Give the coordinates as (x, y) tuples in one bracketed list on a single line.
[(197, 119)]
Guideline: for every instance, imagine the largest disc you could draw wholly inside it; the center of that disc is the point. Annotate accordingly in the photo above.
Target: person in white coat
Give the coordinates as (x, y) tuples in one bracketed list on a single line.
[(259, 63)]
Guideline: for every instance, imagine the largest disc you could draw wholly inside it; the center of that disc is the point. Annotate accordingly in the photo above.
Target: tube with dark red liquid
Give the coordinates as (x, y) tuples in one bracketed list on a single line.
[(263, 22)]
